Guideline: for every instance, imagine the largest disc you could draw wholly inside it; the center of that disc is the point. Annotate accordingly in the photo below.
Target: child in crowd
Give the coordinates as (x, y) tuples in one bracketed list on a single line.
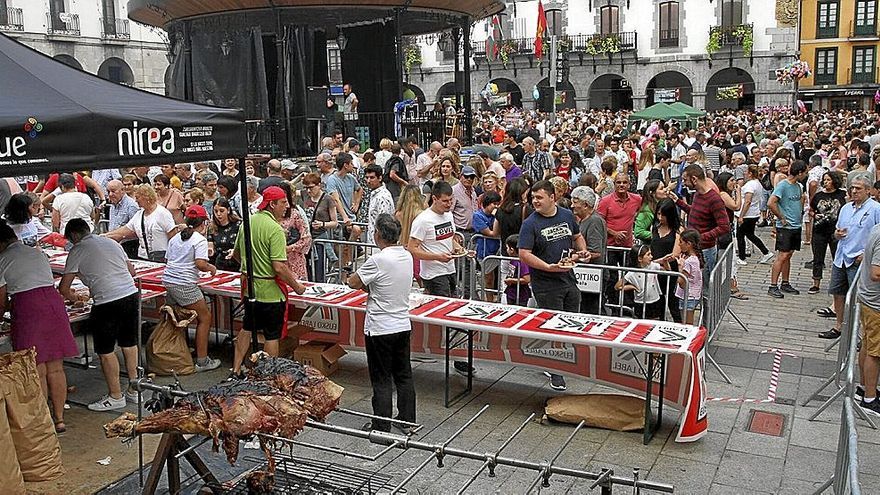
[(516, 276), (648, 300), (483, 220), (690, 264)]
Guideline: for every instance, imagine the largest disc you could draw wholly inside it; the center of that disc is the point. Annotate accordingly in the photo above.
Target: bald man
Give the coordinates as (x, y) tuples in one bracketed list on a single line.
[(273, 167)]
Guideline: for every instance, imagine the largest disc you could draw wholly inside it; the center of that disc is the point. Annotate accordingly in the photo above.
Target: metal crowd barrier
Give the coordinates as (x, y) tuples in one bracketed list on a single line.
[(845, 479), (716, 302), (338, 273), (591, 280)]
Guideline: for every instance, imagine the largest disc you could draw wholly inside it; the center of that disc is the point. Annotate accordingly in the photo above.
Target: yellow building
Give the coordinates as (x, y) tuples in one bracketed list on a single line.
[(839, 39)]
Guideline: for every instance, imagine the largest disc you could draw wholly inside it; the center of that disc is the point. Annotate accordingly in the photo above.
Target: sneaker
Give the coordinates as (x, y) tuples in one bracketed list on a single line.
[(830, 334), (461, 367), (741, 262), (813, 290), (234, 377), (774, 291), (107, 403), (860, 391), (557, 382), (132, 396), (405, 430), (788, 289), (872, 407), (808, 264), (208, 365), (766, 258)]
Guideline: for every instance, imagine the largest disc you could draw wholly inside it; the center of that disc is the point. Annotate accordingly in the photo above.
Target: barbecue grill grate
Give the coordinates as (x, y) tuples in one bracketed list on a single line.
[(299, 476)]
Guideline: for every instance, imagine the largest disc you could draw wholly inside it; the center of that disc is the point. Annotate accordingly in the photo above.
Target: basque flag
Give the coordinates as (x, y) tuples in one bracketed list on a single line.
[(542, 30)]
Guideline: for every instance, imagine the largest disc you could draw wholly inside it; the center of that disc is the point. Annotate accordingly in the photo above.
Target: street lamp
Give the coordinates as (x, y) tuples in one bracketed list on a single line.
[(445, 43), (341, 40)]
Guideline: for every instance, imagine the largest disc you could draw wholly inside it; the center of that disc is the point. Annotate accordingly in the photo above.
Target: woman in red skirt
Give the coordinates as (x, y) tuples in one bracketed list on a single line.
[(39, 318)]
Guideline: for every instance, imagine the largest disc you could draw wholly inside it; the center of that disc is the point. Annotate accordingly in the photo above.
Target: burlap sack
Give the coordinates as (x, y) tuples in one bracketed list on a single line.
[(30, 423), (609, 411), (167, 349), (10, 474)]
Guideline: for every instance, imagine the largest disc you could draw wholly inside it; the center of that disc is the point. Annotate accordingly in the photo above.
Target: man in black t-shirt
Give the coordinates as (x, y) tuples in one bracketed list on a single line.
[(547, 236)]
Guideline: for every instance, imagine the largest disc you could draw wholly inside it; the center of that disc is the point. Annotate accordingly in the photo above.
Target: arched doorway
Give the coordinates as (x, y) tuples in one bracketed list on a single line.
[(565, 96), (611, 91), (508, 94), (446, 94), (116, 70), (669, 87), (68, 60), (730, 88)]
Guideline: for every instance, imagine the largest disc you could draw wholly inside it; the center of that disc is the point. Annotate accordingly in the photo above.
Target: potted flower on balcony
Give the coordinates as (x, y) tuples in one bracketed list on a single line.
[(506, 49), (598, 44), (412, 55)]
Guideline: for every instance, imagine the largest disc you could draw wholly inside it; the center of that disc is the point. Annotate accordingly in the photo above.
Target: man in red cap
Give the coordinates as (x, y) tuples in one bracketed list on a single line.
[(272, 277)]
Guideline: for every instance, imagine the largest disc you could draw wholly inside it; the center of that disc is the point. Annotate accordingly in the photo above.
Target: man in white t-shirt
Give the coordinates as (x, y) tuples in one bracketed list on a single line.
[(102, 266), (70, 204), (432, 243), (387, 325)]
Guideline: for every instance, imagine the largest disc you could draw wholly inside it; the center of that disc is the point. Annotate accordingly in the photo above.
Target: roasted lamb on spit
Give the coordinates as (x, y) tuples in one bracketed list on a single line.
[(275, 398)]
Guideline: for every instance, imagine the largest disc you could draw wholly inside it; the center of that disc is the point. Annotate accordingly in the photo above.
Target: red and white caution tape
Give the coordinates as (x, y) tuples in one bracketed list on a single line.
[(774, 381)]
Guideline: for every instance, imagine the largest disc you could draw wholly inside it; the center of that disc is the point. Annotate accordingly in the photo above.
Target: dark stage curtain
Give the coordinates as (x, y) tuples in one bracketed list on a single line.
[(373, 77)]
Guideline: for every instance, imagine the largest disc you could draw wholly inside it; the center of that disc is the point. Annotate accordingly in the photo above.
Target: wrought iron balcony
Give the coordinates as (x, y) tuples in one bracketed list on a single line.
[(115, 29), (863, 30), (11, 19), (868, 76), (576, 43), (62, 23), (731, 35)]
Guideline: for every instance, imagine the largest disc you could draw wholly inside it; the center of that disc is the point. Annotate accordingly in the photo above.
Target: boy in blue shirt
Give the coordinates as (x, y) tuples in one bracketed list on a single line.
[(483, 223)]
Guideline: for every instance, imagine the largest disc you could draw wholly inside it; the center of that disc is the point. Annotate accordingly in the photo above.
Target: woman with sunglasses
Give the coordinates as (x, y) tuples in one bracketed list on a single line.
[(321, 212)]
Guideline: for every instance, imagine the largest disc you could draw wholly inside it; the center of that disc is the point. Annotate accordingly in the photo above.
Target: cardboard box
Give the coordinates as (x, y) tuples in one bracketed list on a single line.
[(287, 345), (323, 356)]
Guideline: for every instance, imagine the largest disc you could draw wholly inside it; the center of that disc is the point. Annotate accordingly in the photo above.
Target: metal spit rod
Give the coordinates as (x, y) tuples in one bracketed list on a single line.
[(331, 449), (438, 452), (404, 443), (544, 474), (490, 461)]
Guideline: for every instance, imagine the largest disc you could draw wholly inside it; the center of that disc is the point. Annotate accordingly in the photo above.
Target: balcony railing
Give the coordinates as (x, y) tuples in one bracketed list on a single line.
[(11, 19), (668, 38), (115, 29), (863, 30), (869, 77), (62, 23), (575, 43), (731, 35)]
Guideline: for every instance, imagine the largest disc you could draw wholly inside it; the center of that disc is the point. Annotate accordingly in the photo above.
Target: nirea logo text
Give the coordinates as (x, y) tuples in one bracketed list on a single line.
[(143, 140)]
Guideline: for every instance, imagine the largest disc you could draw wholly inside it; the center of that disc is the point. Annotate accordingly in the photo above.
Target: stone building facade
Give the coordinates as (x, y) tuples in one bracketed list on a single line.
[(93, 35), (658, 52)]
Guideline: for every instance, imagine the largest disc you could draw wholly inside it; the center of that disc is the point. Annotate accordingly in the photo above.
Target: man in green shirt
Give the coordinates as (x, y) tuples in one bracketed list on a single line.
[(272, 276)]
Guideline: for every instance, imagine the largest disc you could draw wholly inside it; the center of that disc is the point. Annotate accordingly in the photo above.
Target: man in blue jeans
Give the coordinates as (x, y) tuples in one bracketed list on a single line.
[(544, 239), (854, 224)]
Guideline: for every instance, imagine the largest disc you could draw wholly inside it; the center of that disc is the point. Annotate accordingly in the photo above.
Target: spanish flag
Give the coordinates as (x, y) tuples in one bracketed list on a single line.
[(542, 30)]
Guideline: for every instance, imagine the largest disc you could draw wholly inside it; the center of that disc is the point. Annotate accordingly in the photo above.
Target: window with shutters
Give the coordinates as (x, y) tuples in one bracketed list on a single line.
[(827, 19), (863, 64), (826, 66), (731, 13), (668, 24), (610, 19), (866, 18)]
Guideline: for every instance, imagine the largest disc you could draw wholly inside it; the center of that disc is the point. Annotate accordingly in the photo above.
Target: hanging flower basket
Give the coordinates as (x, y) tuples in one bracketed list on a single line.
[(412, 55), (792, 72)]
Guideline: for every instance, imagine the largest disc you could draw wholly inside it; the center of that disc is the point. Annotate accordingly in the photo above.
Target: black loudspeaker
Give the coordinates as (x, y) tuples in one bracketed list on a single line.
[(316, 105)]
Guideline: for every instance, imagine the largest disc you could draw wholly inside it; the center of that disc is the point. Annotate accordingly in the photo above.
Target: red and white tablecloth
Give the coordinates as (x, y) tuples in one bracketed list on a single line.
[(607, 350)]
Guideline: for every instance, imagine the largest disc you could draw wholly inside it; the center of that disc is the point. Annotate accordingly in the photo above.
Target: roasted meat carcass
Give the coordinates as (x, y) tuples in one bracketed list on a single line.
[(319, 395)]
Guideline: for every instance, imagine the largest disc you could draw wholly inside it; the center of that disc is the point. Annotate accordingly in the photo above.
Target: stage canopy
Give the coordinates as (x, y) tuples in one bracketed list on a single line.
[(57, 118)]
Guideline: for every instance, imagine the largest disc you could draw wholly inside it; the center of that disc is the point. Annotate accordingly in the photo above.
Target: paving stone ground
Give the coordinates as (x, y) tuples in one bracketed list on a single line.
[(728, 460)]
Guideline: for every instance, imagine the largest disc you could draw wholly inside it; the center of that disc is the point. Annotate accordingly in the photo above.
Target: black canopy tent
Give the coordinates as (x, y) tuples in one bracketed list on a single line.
[(55, 118)]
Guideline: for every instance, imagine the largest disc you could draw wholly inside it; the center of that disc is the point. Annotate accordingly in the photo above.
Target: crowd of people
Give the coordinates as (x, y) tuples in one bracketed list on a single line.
[(589, 188)]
